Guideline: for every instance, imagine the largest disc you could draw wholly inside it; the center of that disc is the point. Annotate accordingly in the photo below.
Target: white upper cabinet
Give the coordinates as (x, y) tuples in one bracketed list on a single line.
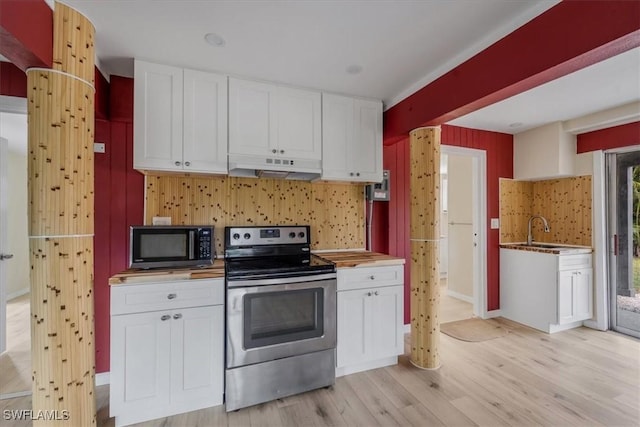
[(180, 120), (157, 116), (351, 139), (205, 122), (276, 121)]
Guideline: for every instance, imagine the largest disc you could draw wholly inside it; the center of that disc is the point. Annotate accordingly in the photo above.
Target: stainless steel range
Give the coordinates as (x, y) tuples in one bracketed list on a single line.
[(281, 315)]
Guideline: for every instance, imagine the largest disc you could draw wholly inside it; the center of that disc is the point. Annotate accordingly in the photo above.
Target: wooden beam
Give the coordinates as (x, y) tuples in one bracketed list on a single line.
[(26, 33), (568, 37)]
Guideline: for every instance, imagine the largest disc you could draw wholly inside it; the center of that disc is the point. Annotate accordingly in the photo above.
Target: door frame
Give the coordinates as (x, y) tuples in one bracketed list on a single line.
[(4, 209), (479, 199), (16, 105), (610, 287)]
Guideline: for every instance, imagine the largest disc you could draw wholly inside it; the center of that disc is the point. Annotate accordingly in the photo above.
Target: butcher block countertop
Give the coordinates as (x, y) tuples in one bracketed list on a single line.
[(216, 271), (344, 259)]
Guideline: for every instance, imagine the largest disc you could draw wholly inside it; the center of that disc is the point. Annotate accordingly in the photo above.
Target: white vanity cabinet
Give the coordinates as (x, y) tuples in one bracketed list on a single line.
[(546, 291), (167, 342), (273, 121), (351, 139), (180, 120), (370, 317)]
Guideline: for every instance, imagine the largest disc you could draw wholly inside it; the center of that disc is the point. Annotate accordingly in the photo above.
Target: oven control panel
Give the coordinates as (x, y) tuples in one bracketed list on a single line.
[(277, 235)]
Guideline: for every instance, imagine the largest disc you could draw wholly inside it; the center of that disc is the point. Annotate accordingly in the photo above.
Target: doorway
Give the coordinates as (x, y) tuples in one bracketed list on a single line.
[(15, 362), (624, 225), (463, 240)]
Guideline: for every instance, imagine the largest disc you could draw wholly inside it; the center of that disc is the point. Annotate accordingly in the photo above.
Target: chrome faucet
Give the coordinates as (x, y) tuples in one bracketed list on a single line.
[(546, 227)]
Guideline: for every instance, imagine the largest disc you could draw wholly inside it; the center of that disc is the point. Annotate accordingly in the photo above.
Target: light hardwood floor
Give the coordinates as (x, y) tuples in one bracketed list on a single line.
[(579, 377), (15, 363)]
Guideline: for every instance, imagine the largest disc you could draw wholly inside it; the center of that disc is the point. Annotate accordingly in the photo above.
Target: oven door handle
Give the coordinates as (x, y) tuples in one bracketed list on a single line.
[(233, 283)]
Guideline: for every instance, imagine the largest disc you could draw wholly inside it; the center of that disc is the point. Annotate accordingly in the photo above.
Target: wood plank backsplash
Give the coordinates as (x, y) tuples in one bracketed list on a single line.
[(564, 202), (335, 211)]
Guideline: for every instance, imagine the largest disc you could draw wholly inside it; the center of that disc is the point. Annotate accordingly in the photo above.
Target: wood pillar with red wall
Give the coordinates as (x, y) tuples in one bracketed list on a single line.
[(424, 157), (61, 226)]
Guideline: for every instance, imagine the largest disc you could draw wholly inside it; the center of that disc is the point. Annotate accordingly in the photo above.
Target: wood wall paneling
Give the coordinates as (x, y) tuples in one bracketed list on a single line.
[(334, 211), (564, 202), (73, 48), (424, 157), (516, 204)]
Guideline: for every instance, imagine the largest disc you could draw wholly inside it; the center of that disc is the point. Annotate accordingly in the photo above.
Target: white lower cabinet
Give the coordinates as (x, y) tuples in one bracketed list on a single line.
[(575, 296), (370, 318), (167, 361)]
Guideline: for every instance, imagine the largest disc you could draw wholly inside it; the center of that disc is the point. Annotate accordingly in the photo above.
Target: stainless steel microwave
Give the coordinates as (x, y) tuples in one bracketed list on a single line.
[(170, 246)]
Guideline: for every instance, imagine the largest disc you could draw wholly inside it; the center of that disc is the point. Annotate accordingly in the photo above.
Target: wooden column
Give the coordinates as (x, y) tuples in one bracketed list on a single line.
[(424, 156), (60, 133)]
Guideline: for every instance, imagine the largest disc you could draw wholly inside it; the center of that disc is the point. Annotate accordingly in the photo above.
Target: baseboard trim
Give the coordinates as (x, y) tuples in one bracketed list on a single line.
[(493, 313), (103, 378), (17, 294), (458, 295)]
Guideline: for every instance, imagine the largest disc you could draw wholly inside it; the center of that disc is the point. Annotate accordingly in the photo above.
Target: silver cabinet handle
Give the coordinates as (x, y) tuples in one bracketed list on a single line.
[(281, 151), (171, 296), (187, 163), (376, 293), (165, 317), (350, 173), (274, 151), (177, 316), (369, 294), (357, 173), (372, 277), (5, 256)]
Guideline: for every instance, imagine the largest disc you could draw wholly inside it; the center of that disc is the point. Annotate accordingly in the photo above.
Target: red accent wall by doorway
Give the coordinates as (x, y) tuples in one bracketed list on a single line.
[(499, 149), (606, 139)]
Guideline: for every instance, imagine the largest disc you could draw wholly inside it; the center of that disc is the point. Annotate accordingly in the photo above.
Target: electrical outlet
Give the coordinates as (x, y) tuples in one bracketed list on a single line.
[(99, 147), (161, 220), (495, 223)]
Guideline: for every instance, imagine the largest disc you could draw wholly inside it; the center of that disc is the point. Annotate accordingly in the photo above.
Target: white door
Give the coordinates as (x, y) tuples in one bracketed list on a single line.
[(460, 228), (353, 343), (4, 152), (337, 135), (387, 313), (252, 126), (366, 152)]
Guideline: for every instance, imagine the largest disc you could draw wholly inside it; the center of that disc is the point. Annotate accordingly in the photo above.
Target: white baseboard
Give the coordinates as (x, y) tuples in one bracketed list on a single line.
[(103, 378), (458, 295), (375, 364), (493, 313), (17, 294), (594, 324)]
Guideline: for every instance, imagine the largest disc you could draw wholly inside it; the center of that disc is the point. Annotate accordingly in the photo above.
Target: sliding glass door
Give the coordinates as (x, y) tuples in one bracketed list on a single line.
[(624, 196)]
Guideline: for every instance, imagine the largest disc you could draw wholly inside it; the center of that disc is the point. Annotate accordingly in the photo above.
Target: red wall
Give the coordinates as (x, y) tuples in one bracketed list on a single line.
[(119, 203), (499, 148), (613, 137)]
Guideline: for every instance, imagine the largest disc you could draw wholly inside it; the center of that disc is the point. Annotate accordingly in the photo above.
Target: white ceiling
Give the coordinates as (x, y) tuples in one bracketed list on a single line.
[(401, 45)]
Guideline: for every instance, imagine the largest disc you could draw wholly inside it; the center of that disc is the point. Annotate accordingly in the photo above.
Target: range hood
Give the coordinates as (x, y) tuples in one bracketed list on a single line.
[(249, 166)]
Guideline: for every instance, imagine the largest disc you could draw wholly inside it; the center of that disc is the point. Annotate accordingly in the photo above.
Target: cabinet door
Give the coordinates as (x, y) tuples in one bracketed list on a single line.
[(140, 362), (353, 326), (337, 135), (583, 295), (197, 357), (205, 122), (565, 296), (298, 122), (366, 150), (387, 318), (251, 117), (157, 117)]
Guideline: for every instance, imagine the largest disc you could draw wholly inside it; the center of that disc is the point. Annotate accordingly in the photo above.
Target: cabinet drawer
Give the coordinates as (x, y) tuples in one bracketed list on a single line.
[(166, 295), (572, 262), (369, 277)]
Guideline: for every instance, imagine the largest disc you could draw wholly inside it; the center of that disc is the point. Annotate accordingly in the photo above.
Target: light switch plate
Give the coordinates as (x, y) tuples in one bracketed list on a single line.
[(99, 147), (161, 220), (495, 223)]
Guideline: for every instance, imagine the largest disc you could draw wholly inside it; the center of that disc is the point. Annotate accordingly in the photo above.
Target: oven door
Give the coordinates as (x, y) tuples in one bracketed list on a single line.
[(274, 318)]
